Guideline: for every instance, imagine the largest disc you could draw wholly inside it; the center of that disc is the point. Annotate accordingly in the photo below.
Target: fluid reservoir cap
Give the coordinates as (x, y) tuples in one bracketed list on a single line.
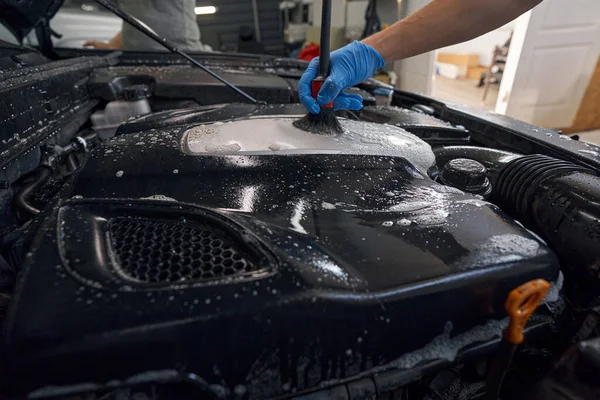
[(467, 175), (136, 92)]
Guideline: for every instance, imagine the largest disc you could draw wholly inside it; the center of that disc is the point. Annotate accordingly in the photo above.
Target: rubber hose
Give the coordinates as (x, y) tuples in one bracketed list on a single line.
[(560, 201), (22, 196), (71, 162)]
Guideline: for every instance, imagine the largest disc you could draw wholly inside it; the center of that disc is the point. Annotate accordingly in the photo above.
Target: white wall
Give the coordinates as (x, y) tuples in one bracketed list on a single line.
[(415, 74), (356, 12), (483, 45), (338, 13)]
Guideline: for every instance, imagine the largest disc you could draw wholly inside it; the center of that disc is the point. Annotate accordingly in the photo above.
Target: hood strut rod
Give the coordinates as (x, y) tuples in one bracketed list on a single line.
[(146, 30)]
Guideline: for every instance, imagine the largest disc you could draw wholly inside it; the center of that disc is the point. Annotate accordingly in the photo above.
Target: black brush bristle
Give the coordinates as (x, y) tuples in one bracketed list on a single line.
[(324, 123)]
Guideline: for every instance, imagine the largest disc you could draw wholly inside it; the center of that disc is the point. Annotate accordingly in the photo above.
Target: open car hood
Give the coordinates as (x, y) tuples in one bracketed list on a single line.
[(24, 15)]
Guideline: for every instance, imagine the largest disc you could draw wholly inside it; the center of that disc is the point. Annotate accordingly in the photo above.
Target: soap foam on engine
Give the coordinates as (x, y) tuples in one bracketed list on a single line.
[(160, 197), (554, 291), (272, 135), (500, 249), (445, 347), (514, 244)]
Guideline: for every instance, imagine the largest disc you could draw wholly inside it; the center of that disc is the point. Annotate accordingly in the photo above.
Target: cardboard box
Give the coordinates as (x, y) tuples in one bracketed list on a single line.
[(475, 72), (463, 60), (450, 70)]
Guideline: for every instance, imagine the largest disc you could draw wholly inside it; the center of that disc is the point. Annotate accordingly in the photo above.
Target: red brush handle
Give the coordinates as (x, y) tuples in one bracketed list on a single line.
[(316, 85)]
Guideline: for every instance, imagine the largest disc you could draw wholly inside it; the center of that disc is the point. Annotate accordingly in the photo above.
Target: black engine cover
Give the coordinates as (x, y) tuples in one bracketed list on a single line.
[(275, 272)]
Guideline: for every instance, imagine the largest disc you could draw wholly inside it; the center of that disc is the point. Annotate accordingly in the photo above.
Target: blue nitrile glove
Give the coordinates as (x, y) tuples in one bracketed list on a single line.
[(349, 65)]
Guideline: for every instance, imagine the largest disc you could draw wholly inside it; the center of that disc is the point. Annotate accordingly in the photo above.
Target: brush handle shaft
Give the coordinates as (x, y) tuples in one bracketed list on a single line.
[(325, 38)]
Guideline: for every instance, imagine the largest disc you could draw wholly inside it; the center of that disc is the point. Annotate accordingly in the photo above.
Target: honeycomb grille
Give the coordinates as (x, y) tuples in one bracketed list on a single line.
[(156, 251)]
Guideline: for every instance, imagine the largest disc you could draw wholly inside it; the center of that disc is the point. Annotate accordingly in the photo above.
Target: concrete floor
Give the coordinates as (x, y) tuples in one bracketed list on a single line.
[(464, 91)]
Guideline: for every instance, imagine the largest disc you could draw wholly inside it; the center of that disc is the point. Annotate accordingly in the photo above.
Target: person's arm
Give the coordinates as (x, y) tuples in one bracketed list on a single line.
[(114, 43), (443, 23)]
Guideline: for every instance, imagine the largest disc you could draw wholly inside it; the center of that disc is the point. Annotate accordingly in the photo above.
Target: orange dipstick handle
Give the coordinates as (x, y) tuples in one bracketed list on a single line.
[(520, 304)]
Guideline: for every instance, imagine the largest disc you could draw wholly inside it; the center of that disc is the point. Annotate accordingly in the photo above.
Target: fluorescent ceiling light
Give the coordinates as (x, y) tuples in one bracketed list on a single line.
[(205, 10)]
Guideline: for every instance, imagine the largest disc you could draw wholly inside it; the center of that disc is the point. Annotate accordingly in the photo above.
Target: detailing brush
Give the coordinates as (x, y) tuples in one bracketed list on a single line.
[(324, 123)]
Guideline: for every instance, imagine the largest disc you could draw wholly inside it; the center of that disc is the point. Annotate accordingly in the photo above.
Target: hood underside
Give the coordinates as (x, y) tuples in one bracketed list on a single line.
[(22, 16)]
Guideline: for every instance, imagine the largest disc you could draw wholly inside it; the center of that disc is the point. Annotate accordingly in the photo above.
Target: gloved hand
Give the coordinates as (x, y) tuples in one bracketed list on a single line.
[(349, 65)]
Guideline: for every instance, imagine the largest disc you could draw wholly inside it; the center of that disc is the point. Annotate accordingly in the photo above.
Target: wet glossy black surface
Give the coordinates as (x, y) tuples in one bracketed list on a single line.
[(495, 131), (426, 127), (184, 82), (366, 259)]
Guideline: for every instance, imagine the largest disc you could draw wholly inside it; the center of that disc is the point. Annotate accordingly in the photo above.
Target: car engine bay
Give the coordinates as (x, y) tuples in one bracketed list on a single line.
[(161, 238)]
